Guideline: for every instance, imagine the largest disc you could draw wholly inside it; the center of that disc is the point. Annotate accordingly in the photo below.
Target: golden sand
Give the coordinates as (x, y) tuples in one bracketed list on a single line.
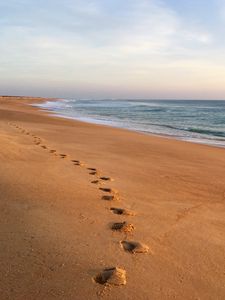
[(55, 227)]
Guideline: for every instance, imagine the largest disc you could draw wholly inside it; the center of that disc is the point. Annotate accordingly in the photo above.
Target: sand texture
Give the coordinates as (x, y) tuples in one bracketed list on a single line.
[(66, 185)]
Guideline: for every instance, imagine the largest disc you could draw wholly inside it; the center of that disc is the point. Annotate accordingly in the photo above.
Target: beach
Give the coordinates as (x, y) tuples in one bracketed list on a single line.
[(60, 179)]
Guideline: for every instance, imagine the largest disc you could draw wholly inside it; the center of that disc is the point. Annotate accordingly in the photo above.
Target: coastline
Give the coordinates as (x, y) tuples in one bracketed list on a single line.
[(176, 189), (204, 140)]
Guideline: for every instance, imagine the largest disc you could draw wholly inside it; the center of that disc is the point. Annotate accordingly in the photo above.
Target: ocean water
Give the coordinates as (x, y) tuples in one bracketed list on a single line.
[(196, 121)]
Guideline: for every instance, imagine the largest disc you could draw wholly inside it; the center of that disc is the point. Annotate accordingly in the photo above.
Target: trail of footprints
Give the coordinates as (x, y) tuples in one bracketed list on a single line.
[(115, 275)]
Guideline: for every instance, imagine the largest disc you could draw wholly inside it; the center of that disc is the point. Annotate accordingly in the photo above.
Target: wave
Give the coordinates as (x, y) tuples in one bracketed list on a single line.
[(192, 122), (208, 132), (214, 133), (55, 105)]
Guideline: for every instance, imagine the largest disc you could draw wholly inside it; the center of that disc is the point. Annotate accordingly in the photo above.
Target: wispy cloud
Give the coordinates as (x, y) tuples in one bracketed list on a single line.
[(103, 43)]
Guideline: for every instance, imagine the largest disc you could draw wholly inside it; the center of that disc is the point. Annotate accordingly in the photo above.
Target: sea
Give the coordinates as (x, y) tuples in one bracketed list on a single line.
[(198, 121)]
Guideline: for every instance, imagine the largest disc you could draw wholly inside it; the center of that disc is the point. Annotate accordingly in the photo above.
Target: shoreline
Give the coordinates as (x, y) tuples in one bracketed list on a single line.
[(110, 124), (54, 214)]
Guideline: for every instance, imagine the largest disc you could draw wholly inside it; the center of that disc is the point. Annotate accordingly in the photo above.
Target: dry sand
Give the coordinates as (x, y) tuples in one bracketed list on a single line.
[(56, 224)]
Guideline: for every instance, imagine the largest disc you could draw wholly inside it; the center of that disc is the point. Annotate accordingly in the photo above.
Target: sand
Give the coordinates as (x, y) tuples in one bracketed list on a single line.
[(56, 223)]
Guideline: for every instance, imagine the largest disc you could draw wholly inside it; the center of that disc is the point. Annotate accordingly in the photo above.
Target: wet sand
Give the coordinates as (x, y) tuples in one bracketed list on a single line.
[(66, 189)]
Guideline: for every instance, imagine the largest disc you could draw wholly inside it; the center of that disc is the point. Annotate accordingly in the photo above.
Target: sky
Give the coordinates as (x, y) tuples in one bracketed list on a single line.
[(153, 49)]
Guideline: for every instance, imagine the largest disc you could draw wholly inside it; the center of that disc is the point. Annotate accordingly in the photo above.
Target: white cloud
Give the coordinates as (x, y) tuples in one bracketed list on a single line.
[(133, 42)]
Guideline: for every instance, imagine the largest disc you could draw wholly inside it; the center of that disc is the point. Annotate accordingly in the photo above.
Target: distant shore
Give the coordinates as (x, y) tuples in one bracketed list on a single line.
[(63, 183)]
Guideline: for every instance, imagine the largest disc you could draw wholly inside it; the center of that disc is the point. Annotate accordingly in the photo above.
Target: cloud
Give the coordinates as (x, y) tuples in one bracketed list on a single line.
[(100, 23), (98, 42)]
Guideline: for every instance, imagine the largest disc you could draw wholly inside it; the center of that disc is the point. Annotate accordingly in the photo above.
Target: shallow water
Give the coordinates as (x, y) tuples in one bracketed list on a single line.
[(197, 121)]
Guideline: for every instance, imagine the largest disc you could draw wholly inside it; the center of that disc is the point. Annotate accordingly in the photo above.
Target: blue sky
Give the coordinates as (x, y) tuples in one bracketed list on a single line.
[(113, 48)]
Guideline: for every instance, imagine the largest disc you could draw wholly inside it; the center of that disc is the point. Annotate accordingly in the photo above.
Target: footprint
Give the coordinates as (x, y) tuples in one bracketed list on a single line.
[(134, 247), (62, 155), (96, 182), (52, 151), (79, 163), (123, 227), (112, 276), (43, 146), (94, 173), (106, 178), (108, 190), (110, 197), (92, 169), (122, 211)]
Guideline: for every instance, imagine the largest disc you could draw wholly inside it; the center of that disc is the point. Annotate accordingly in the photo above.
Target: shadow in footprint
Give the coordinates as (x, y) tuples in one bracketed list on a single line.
[(123, 227), (94, 173), (96, 182), (106, 178), (110, 197), (122, 211), (108, 190), (134, 247), (52, 151), (79, 163), (111, 276)]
